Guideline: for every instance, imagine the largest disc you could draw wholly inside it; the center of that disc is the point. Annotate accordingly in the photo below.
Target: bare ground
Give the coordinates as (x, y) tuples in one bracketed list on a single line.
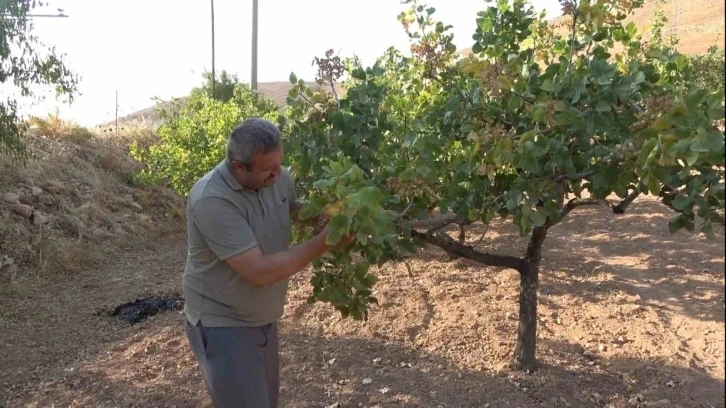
[(625, 309)]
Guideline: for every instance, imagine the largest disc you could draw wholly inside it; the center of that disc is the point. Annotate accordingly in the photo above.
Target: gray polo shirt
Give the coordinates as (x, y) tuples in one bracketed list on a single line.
[(225, 219)]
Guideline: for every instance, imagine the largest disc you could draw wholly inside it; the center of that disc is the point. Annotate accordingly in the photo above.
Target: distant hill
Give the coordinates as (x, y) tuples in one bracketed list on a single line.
[(698, 24), (275, 91)]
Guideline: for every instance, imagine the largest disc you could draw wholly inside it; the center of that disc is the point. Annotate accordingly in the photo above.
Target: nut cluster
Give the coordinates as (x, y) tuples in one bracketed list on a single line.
[(654, 106), (409, 188)]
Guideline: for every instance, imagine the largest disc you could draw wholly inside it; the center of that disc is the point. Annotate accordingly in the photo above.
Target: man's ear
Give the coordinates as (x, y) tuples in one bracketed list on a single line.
[(239, 167)]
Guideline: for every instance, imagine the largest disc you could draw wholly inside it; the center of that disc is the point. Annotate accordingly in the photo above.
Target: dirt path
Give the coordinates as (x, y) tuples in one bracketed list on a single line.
[(628, 313)]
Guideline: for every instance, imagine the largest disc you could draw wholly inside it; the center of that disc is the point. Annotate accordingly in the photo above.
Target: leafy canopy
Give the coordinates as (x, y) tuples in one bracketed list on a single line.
[(24, 62), (194, 132), (526, 121)]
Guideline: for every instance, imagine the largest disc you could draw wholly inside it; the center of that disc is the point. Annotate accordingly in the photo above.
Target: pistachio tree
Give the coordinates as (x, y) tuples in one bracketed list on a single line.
[(529, 126)]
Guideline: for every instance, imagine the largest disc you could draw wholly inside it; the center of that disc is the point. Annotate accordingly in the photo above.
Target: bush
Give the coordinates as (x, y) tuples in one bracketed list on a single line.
[(709, 70), (56, 128), (193, 137)]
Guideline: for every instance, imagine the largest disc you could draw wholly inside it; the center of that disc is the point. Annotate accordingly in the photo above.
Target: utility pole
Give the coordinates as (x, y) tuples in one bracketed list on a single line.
[(254, 45), (117, 112), (214, 82)]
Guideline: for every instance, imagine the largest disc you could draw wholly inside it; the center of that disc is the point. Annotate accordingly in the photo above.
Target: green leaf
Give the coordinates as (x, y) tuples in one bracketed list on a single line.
[(717, 113), (662, 123), (691, 157), (653, 185), (675, 224), (602, 106), (715, 141), (361, 270), (707, 229), (370, 196), (504, 82), (681, 202), (645, 152), (307, 212), (525, 226), (547, 86), (514, 103), (333, 238), (362, 237), (340, 223), (699, 143), (695, 97), (602, 72), (293, 78), (539, 218)]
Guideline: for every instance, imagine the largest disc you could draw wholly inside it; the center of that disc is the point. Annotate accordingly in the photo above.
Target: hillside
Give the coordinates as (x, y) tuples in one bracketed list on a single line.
[(698, 24), (275, 91), (73, 204)]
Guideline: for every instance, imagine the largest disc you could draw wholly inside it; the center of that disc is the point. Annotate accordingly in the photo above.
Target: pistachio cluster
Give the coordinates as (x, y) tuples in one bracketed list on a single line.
[(653, 108)]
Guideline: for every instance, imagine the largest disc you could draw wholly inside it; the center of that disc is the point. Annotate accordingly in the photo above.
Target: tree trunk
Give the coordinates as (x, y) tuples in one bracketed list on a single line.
[(524, 353)]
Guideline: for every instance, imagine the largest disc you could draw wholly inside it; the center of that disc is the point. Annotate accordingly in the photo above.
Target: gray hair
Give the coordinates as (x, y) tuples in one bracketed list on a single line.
[(251, 137)]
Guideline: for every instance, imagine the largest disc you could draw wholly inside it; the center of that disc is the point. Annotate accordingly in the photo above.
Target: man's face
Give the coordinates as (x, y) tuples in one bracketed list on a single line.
[(263, 172)]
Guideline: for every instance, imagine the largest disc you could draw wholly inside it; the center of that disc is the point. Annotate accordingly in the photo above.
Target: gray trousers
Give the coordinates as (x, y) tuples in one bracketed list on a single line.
[(240, 365)]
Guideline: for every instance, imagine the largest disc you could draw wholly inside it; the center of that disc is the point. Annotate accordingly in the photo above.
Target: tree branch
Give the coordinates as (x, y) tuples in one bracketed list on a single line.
[(578, 202), (335, 94), (524, 98), (406, 211), (435, 223), (623, 205), (578, 176), (572, 40), (446, 243), (310, 102)]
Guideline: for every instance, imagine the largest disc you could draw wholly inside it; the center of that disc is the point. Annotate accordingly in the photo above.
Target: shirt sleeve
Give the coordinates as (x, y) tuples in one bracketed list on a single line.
[(223, 227)]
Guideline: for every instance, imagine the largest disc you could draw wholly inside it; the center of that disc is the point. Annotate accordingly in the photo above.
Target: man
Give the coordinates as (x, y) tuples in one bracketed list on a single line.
[(238, 265)]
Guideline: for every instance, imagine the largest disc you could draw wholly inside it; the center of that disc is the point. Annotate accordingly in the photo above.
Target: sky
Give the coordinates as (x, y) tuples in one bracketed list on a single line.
[(159, 48)]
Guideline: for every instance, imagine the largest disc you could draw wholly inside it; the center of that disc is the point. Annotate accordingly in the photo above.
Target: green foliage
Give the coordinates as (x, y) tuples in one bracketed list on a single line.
[(527, 121), (24, 66), (709, 70), (342, 278), (193, 136), (225, 85)]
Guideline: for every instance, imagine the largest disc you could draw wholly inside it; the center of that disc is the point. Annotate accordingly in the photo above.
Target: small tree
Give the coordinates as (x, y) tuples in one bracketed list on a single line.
[(709, 70), (25, 62), (194, 132), (531, 126), (224, 87)]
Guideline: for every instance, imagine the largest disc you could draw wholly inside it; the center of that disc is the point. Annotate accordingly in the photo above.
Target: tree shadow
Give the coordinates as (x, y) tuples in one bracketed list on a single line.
[(593, 252), (320, 371)]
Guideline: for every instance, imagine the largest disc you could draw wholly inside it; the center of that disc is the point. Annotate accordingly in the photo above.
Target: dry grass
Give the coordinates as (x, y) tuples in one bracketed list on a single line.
[(79, 181), (56, 128)]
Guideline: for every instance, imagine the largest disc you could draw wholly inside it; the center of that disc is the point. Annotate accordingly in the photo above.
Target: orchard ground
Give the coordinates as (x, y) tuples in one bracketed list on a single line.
[(630, 316)]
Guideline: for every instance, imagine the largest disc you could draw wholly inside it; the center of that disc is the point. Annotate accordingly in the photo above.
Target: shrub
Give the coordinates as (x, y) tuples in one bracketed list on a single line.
[(193, 137)]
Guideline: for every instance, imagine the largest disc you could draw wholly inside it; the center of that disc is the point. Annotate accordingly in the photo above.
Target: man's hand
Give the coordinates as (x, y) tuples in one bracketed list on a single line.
[(318, 222), (345, 240), (321, 221)]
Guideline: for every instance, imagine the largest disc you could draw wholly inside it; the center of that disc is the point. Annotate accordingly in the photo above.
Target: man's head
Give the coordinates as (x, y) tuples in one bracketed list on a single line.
[(254, 153)]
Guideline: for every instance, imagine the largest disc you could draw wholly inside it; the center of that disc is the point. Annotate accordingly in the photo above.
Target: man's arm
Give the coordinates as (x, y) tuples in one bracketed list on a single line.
[(229, 236), (261, 270)]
